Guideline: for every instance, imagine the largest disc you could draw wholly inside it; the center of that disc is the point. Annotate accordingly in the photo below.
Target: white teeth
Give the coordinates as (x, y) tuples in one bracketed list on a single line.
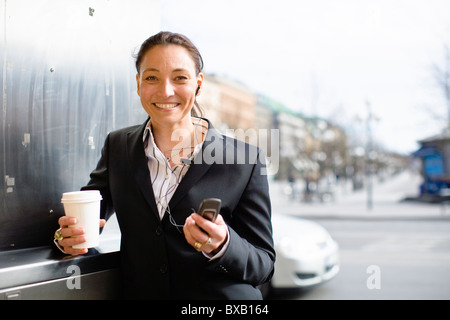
[(166, 106)]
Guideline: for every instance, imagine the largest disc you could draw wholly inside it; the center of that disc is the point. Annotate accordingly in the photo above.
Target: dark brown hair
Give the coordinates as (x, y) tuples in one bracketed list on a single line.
[(166, 38)]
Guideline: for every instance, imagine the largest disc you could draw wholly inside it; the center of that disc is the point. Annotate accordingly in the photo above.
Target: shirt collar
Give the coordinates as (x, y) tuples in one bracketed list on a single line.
[(148, 131), (148, 138)]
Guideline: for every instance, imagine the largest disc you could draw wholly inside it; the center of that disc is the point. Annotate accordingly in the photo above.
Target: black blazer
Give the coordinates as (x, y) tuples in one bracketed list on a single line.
[(156, 260)]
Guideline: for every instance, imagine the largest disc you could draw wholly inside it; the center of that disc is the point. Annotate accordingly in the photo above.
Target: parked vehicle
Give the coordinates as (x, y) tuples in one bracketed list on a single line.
[(307, 255)]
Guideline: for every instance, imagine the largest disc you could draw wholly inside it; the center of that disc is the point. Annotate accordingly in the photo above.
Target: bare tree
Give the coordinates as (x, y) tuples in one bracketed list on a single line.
[(441, 75)]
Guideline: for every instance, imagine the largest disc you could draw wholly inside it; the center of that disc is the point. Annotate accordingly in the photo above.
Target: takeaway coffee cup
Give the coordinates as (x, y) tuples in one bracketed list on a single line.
[(85, 206)]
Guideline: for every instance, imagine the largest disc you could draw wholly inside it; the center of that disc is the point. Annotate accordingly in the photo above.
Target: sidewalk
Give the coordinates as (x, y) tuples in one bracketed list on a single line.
[(388, 202)]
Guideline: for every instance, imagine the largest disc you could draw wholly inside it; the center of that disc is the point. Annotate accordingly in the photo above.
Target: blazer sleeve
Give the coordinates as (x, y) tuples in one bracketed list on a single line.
[(99, 180), (250, 255)]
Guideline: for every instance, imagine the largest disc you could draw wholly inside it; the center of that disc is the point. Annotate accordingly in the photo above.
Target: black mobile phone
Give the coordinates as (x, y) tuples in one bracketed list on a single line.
[(210, 208)]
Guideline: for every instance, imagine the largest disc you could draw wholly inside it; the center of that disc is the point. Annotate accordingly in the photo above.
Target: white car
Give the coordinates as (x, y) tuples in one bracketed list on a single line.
[(306, 253)]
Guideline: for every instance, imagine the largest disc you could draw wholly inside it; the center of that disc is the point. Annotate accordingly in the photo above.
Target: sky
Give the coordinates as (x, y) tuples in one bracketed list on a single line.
[(337, 59)]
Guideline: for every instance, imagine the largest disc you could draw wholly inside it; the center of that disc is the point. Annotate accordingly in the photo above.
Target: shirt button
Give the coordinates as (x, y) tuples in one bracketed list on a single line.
[(163, 268)]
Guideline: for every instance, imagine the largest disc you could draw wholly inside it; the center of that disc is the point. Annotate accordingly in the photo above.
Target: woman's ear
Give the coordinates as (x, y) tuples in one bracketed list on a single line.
[(199, 83)]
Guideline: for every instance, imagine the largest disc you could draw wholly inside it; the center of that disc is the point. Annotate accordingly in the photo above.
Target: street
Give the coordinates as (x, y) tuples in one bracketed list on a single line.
[(396, 250)]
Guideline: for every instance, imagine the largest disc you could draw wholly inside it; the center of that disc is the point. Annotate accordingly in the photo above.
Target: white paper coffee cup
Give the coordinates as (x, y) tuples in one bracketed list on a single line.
[(85, 206)]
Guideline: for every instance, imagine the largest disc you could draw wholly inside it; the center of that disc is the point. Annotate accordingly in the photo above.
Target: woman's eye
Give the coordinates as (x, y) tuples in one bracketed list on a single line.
[(151, 78), (181, 78)]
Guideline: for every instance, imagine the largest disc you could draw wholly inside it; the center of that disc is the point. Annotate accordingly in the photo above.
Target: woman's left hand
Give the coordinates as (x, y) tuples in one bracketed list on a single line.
[(204, 235)]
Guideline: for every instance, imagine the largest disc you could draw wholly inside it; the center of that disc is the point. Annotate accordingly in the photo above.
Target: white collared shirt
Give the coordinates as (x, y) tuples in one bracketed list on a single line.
[(164, 179)]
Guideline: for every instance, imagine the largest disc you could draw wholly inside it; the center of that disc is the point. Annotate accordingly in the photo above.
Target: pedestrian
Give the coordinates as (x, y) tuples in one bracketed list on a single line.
[(155, 175)]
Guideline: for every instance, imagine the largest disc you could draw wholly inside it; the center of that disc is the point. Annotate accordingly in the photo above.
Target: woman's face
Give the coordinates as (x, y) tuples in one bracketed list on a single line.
[(167, 83)]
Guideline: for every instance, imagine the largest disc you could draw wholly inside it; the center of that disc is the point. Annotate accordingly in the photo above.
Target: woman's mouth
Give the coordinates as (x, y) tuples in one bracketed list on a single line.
[(166, 105)]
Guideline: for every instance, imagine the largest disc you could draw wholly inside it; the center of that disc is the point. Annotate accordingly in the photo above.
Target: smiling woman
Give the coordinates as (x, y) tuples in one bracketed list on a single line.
[(152, 175), (167, 86), (168, 81), (168, 38)]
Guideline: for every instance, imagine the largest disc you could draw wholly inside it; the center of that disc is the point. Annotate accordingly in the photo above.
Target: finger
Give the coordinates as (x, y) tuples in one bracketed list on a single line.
[(191, 232), (102, 223), (66, 221), (189, 228), (206, 225), (70, 232), (70, 242), (196, 230)]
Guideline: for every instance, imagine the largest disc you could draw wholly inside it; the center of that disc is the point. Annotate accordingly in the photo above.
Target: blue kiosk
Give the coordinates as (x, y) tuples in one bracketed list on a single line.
[(435, 155)]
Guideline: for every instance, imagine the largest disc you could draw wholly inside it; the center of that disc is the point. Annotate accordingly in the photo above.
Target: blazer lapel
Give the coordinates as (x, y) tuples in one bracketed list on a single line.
[(138, 162), (200, 165)]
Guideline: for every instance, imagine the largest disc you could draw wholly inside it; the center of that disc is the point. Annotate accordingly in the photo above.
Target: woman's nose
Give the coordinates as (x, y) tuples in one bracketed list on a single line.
[(166, 89)]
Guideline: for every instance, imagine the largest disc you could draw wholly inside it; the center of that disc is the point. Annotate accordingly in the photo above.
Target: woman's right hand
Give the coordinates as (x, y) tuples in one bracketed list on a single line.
[(73, 236)]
